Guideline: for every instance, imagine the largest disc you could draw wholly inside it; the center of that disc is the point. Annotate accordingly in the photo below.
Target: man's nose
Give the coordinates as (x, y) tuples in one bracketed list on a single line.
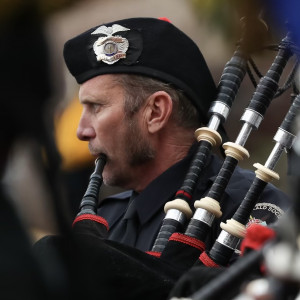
[(85, 131)]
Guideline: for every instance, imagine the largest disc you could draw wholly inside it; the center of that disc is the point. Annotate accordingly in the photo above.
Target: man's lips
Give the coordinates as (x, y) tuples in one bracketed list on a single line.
[(96, 153), (102, 155)]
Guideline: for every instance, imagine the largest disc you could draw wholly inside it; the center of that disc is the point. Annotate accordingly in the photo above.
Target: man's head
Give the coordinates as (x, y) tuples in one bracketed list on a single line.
[(131, 119), (144, 46), (137, 77)]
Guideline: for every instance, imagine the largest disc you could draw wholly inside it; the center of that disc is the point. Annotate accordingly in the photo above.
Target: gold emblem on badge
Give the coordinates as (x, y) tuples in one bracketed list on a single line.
[(110, 48)]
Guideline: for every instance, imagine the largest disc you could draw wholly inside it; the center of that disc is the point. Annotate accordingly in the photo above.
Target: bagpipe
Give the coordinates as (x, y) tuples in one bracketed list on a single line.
[(179, 264)]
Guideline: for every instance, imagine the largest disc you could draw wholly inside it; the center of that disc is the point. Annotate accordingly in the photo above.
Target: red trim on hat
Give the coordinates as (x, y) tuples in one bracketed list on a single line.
[(94, 218), (207, 261), (193, 242), (154, 253), (165, 19)]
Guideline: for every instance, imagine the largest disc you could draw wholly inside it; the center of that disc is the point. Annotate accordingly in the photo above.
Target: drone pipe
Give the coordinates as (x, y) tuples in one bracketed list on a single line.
[(265, 91), (234, 229), (178, 210)]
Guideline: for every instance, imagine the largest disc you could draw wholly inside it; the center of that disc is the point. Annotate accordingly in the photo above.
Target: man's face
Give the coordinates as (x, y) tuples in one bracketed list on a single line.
[(107, 129)]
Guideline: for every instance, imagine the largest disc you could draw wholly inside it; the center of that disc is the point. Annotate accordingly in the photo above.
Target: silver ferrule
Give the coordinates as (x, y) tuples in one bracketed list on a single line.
[(214, 122), (252, 117), (243, 134), (284, 141), (252, 120), (284, 137), (219, 108), (228, 240), (274, 156), (176, 215), (204, 216)]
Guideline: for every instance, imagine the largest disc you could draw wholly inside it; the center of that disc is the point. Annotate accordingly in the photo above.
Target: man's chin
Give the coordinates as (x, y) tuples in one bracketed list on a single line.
[(109, 179), (114, 181)]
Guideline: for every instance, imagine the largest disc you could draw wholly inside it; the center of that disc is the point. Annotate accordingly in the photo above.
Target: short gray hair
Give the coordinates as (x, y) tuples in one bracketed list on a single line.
[(138, 88)]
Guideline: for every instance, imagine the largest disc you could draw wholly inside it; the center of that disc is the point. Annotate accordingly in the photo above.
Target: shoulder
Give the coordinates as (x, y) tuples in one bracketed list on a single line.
[(270, 193), (242, 180), (271, 204)]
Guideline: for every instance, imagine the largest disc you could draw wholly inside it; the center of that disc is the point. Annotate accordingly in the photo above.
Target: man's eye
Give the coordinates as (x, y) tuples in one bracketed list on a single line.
[(93, 107), (96, 107)]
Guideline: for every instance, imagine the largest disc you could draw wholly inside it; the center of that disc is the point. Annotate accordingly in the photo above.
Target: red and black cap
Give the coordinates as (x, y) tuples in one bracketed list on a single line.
[(145, 46)]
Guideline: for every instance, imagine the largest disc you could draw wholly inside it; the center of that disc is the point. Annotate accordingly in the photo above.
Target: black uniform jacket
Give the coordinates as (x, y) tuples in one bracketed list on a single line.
[(150, 203)]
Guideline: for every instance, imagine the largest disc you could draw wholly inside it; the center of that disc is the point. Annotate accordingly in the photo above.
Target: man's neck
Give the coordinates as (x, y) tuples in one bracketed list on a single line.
[(166, 156)]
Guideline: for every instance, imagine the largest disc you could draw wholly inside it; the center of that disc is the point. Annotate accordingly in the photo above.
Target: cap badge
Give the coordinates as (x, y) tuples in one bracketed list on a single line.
[(110, 48)]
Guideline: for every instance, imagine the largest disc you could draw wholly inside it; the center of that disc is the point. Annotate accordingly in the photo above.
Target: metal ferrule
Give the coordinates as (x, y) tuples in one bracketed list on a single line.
[(252, 117), (284, 137), (219, 108), (252, 120), (214, 122), (176, 215), (228, 240), (204, 216), (243, 134), (284, 141), (274, 156)]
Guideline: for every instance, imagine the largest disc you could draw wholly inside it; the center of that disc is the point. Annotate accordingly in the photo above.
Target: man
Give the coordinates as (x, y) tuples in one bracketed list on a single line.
[(145, 87)]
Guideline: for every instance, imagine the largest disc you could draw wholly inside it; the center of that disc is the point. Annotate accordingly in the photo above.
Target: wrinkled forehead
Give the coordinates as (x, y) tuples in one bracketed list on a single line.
[(101, 87)]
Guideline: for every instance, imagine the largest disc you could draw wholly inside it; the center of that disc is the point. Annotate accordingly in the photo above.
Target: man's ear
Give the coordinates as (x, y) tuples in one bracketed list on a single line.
[(158, 111)]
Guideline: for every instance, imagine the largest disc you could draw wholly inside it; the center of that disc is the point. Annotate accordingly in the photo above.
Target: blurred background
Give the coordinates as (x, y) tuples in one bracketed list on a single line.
[(214, 25)]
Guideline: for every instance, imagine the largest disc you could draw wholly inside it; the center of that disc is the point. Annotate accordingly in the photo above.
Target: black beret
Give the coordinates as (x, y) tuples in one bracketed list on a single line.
[(145, 46)]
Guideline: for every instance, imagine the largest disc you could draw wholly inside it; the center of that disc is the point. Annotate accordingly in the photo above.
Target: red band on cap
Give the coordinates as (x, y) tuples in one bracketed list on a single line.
[(165, 19)]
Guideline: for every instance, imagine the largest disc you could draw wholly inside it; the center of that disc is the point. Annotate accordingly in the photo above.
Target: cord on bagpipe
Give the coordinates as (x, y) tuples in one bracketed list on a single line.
[(178, 211), (208, 208)]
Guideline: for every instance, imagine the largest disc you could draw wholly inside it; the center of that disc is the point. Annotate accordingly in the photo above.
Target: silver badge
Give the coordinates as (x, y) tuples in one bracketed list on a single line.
[(110, 48)]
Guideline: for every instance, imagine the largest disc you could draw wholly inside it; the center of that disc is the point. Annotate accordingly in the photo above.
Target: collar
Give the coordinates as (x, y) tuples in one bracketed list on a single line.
[(163, 189)]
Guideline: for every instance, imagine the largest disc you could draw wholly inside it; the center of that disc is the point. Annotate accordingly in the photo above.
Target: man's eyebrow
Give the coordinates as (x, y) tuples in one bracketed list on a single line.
[(84, 100), (88, 100)]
